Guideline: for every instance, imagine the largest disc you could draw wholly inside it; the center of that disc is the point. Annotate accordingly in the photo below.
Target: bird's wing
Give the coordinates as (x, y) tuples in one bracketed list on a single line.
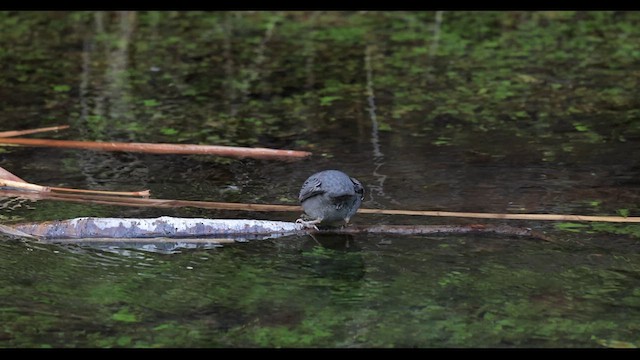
[(311, 187)]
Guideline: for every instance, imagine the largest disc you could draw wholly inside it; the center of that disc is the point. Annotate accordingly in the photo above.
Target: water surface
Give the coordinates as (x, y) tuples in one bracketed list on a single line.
[(523, 112)]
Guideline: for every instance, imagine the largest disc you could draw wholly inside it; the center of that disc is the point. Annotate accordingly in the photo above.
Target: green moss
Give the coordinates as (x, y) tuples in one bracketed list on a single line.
[(623, 212), (124, 315), (572, 227), (61, 88), (632, 230)]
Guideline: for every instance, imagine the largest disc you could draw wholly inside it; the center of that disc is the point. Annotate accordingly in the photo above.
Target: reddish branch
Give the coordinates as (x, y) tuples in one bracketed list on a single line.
[(12, 133), (230, 151), (23, 185), (143, 202)]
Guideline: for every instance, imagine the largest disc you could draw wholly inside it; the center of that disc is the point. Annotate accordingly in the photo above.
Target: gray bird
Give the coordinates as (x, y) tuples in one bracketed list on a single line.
[(330, 198)]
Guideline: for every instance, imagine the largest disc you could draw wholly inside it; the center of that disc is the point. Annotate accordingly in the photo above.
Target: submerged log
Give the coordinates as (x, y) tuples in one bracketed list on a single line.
[(439, 229), (168, 229)]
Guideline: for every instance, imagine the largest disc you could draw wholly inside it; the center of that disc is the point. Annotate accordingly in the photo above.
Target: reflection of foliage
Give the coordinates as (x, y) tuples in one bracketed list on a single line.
[(246, 75), (238, 297), (608, 228)]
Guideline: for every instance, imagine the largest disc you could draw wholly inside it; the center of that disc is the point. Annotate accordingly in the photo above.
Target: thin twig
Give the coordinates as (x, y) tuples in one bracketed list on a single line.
[(156, 203), (4, 134), (545, 217), (170, 203), (35, 187), (143, 193)]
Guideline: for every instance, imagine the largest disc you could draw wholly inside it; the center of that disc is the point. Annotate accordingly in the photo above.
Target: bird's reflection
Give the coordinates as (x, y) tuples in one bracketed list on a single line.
[(334, 256)]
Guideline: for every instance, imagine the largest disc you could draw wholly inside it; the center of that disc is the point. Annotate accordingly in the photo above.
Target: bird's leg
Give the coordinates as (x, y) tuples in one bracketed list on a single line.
[(309, 223)]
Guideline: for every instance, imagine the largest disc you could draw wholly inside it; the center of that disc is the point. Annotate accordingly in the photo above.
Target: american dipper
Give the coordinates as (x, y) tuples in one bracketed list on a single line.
[(330, 198)]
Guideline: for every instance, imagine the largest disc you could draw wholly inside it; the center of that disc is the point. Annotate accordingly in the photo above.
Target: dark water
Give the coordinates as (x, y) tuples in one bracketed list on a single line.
[(455, 111)]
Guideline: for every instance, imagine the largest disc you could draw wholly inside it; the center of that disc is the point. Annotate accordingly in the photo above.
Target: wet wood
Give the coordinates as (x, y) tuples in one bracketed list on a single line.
[(155, 203), (169, 229), (170, 203), (141, 193), (500, 216), (12, 133), (439, 229), (4, 174), (23, 185), (43, 193), (219, 150)]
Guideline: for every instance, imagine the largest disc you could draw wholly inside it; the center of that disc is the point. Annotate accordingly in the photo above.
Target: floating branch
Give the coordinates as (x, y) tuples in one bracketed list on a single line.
[(230, 151), (9, 180), (156, 203), (169, 203), (4, 174), (439, 229), (546, 217), (33, 187), (168, 229), (4, 134)]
